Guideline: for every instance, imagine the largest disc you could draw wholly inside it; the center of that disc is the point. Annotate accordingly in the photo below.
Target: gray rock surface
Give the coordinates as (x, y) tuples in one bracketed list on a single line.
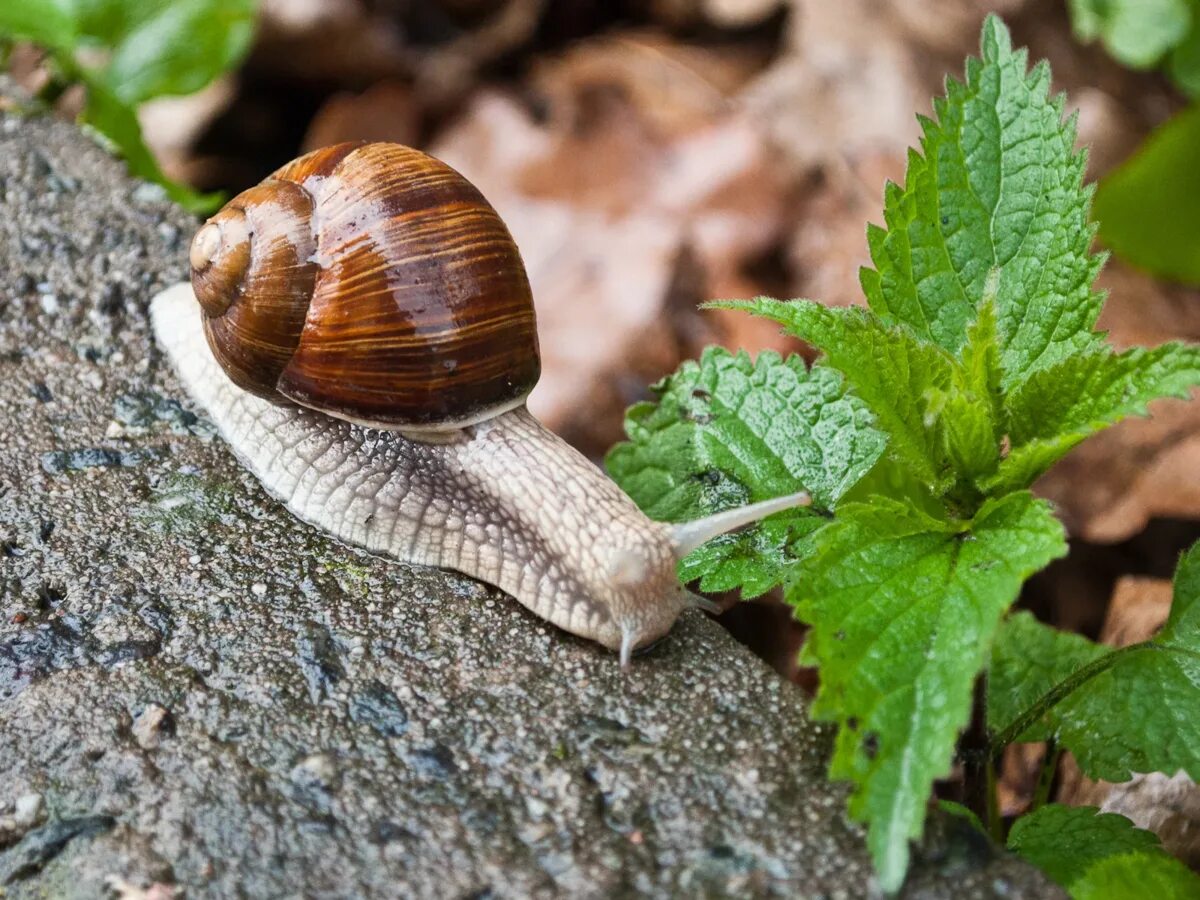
[(197, 690)]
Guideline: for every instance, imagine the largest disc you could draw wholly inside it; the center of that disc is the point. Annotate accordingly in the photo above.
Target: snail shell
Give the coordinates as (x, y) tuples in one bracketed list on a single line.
[(373, 283)]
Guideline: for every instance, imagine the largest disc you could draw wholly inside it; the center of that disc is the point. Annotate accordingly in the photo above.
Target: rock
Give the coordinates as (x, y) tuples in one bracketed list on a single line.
[(28, 810), (353, 727), (151, 725)]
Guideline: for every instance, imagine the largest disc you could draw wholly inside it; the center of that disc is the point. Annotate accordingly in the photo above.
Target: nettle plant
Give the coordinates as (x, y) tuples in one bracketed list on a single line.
[(976, 366)]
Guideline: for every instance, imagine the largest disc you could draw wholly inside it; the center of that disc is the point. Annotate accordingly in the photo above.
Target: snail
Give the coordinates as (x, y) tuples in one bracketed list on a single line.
[(360, 329)]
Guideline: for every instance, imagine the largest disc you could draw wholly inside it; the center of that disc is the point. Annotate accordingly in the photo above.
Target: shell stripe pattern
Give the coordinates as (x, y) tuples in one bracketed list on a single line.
[(421, 312)]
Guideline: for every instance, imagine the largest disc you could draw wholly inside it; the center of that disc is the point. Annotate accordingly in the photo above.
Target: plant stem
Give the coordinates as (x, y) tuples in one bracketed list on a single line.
[(976, 756), (995, 825), (1041, 792), (1062, 690)]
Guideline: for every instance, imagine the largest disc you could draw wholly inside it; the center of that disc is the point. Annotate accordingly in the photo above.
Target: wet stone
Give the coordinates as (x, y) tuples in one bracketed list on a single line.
[(378, 707), (38, 847), (355, 727), (58, 462)]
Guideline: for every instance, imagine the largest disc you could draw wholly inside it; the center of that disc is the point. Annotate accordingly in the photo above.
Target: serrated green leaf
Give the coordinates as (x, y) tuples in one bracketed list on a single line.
[(1100, 856), (1136, 876), (1059, 406), (1149, 208), (889, 479), (993, 205), (889, 367), (902, 620), (114, 119), (1136, 709), (971, 410), (50, 23), (970, 439), (180, 48), (727, 431), (1028, 660), (753, 561), (980, 357), (770, 426), (1136, 32)]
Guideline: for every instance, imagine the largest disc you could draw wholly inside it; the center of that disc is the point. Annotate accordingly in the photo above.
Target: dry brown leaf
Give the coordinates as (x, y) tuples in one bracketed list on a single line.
[(635, 191), (1018, 776), (340, 41), (439, 45), (386, 111)]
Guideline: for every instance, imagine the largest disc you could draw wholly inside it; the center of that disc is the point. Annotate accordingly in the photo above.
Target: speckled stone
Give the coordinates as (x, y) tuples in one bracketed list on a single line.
[(205, 692)]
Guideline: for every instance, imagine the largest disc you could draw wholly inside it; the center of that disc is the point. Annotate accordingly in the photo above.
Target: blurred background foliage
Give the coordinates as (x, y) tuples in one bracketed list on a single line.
[(125, 52), (649, 155)]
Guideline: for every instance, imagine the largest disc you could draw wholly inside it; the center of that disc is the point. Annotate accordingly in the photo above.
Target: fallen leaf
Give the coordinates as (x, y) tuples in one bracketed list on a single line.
[(636, 190)]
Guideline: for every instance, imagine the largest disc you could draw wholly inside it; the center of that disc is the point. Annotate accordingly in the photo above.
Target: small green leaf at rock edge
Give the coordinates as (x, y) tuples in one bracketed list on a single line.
[(180, 48), (148, 48), (902, 619), (728, 430), (118, 123), (1149, 208), (50, 23), (1136, 709), (950, 808), (1093, 854), (992, 208)]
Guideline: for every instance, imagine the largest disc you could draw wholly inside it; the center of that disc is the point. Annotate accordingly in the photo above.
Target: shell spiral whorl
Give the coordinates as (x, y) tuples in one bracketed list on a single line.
[(373, 283)]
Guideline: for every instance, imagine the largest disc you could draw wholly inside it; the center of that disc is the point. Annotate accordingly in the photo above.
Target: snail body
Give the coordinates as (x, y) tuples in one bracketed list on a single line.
[(360, 329)]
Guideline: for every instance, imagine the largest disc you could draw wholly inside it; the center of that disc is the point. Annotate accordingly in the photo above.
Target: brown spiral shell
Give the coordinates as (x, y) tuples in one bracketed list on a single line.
[(373, 283)]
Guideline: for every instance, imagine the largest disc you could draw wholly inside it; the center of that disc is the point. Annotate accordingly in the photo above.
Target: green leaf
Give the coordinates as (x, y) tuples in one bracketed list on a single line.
[(1136, 876), (889, 367), (149, 48), (727, 431), (971, 411), (1184, 64), (981, 358), (180, 48), (950, 808), (1136, 709), (902, 619), (107, 22), (992, 207), (1149, 208), (1059, 406), (1066, 841), (1029, 660), (1136, 32), (1093, 855), (110, 116), (50, 23), (753, 561)]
